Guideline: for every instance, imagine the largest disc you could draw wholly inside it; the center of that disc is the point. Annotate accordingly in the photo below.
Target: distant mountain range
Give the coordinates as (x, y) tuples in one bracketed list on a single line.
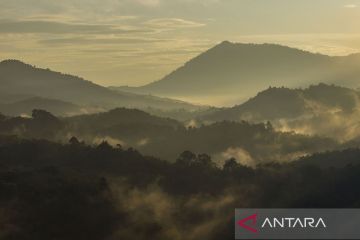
[(230, 72), (23, 82), (25, 107)]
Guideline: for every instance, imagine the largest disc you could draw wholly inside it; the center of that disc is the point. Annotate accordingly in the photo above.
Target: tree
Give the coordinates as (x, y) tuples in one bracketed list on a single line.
[(74, 141), (104, 145), (204, 160), (2, 117), (186, 158), (269, 126), (230, 165)]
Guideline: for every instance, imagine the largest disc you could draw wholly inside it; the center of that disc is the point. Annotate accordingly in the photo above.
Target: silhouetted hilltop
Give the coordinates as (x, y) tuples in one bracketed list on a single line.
[(121, 116), (276, 103), (19, 78), (333, 159), (236, 71), (40, 125)]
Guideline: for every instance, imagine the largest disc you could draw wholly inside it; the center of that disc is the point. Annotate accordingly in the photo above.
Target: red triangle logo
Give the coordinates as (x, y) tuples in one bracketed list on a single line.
[(252, 219)]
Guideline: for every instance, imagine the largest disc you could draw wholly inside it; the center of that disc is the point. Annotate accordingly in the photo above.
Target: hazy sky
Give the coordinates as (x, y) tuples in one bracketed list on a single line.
[(133, 42)]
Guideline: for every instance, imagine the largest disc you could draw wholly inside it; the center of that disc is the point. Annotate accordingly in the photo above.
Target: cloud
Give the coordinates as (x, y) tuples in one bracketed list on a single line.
[(74, 18), (240, 154), (96, 41), (53, 27), (143, 142), (337, 125), (50, 17), (191, 124), (150, 3), (169, 216), (350, 6), (172, 23)]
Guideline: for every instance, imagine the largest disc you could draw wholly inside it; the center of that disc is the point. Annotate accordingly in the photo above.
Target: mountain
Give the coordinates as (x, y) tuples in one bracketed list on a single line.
[(18, 78), (25, 107), (281, 103), (235, 71)]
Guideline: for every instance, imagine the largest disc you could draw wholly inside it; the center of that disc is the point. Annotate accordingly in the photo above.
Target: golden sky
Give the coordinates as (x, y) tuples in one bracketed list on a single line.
[(134, 42)]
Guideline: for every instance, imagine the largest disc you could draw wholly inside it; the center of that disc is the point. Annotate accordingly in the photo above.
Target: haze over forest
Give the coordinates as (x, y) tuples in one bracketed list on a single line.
[(153, 119), (112, 140)]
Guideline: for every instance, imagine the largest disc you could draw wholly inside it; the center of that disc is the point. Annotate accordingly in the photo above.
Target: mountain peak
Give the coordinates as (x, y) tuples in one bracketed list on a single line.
[(226, 43), (265, 48), (14, 63)]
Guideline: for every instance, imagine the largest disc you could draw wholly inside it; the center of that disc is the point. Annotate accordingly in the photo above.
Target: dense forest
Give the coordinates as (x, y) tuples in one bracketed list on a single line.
[(73, 178), (248, 142), (76, 191)]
